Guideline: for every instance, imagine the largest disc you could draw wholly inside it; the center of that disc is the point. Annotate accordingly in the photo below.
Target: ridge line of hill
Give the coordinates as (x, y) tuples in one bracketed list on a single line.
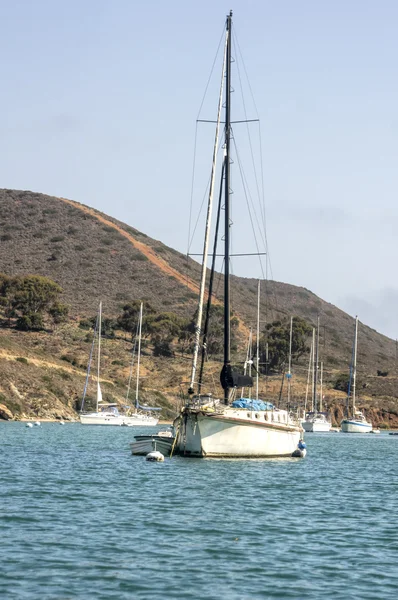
[(144, 248)]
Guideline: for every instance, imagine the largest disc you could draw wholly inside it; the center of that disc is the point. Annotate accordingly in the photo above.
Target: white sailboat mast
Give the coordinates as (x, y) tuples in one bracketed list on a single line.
[(138, 358), (258, 338), (321, 393), (289, 373), (316, 366), (354, 373), (99, 352), (198, 324), (250, 358), (308, 379), (313, 370)]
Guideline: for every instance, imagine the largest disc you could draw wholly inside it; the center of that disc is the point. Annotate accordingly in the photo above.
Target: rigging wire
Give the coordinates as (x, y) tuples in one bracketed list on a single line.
[(195, 142), (262, 204), (248, 200)]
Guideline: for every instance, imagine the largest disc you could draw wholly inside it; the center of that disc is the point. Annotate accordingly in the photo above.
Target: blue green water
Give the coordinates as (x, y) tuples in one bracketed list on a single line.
[(82, 518)]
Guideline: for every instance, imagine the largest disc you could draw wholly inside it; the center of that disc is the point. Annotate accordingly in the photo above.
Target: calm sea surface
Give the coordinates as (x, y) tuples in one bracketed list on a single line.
[(82, 518)]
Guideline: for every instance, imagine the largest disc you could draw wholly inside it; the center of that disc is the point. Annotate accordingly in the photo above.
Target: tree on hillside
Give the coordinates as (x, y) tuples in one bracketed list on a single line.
[(128, 320), (277, 335), (215, 336), (29, 299), (164, 328)]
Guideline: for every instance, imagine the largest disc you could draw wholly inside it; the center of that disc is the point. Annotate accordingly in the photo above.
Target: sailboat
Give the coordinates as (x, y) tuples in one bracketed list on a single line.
[(356, 421), (316, 421), (141, 415), (244, 427), (105, 413)]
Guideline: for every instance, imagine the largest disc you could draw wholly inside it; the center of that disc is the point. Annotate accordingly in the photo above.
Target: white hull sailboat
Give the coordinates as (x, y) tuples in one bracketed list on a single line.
[(242, 428), (316, 421), (105, 413), (237, 433), (141, 417), (356, 423), (101, 418), (108, 413)]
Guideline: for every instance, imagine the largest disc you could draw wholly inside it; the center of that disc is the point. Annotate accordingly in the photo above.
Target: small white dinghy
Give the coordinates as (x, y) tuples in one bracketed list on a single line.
[(28, 425), (301, 450), (37, 423), (155, 456)]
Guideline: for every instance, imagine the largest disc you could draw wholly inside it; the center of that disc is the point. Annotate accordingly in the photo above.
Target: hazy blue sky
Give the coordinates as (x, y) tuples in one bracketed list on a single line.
[(99, 99)]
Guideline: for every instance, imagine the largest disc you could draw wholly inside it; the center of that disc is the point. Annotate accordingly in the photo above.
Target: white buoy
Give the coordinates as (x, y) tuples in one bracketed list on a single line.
[(61, 423), (28, 425), (37, 423), (155, 456)]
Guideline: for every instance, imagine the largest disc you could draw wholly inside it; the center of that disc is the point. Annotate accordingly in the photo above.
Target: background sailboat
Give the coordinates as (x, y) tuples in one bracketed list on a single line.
[(316, 421), (141, 415), (356, 421), (105, 413)]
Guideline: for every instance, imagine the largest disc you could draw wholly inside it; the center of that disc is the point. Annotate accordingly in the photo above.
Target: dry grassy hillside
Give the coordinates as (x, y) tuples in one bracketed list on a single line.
[(93, 256)]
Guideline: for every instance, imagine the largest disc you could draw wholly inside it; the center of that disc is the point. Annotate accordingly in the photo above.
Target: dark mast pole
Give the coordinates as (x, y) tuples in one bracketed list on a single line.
[(227, 331)]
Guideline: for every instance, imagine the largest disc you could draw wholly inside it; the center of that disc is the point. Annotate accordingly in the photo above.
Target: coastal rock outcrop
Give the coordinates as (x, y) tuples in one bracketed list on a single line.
[(5, 413)]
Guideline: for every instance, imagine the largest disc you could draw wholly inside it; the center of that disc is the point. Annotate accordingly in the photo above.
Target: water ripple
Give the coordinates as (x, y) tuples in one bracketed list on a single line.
[(82, 518)]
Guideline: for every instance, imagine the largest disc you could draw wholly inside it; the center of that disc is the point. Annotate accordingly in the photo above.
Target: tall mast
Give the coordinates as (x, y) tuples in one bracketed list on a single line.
[(250, 358), (313, 370), (308, 380), (289, 373), (316, 366), (258, 338), (198, 323), (321, 391), (99, 352), (354, 373), (227, 330), (138, 358)]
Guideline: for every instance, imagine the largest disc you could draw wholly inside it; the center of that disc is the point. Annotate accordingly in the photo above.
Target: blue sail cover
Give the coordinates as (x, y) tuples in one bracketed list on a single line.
[(251, 404)]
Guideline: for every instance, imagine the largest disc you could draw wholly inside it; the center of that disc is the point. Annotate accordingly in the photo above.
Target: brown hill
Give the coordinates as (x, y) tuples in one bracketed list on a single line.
[(94, 256)]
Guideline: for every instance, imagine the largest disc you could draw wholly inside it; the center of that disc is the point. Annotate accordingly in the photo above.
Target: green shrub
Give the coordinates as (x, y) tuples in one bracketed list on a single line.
[(57, 238), (341, 382), (64, 374), (22, 360), (139, 256), (70, 359), (30, 322)]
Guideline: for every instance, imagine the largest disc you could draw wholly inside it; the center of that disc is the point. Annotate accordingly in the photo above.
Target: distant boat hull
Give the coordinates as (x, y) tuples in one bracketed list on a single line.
[(101, 418), (353, 426), (316, 425), (104, 418), (312, 427), (140, 420), (236, 434)]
